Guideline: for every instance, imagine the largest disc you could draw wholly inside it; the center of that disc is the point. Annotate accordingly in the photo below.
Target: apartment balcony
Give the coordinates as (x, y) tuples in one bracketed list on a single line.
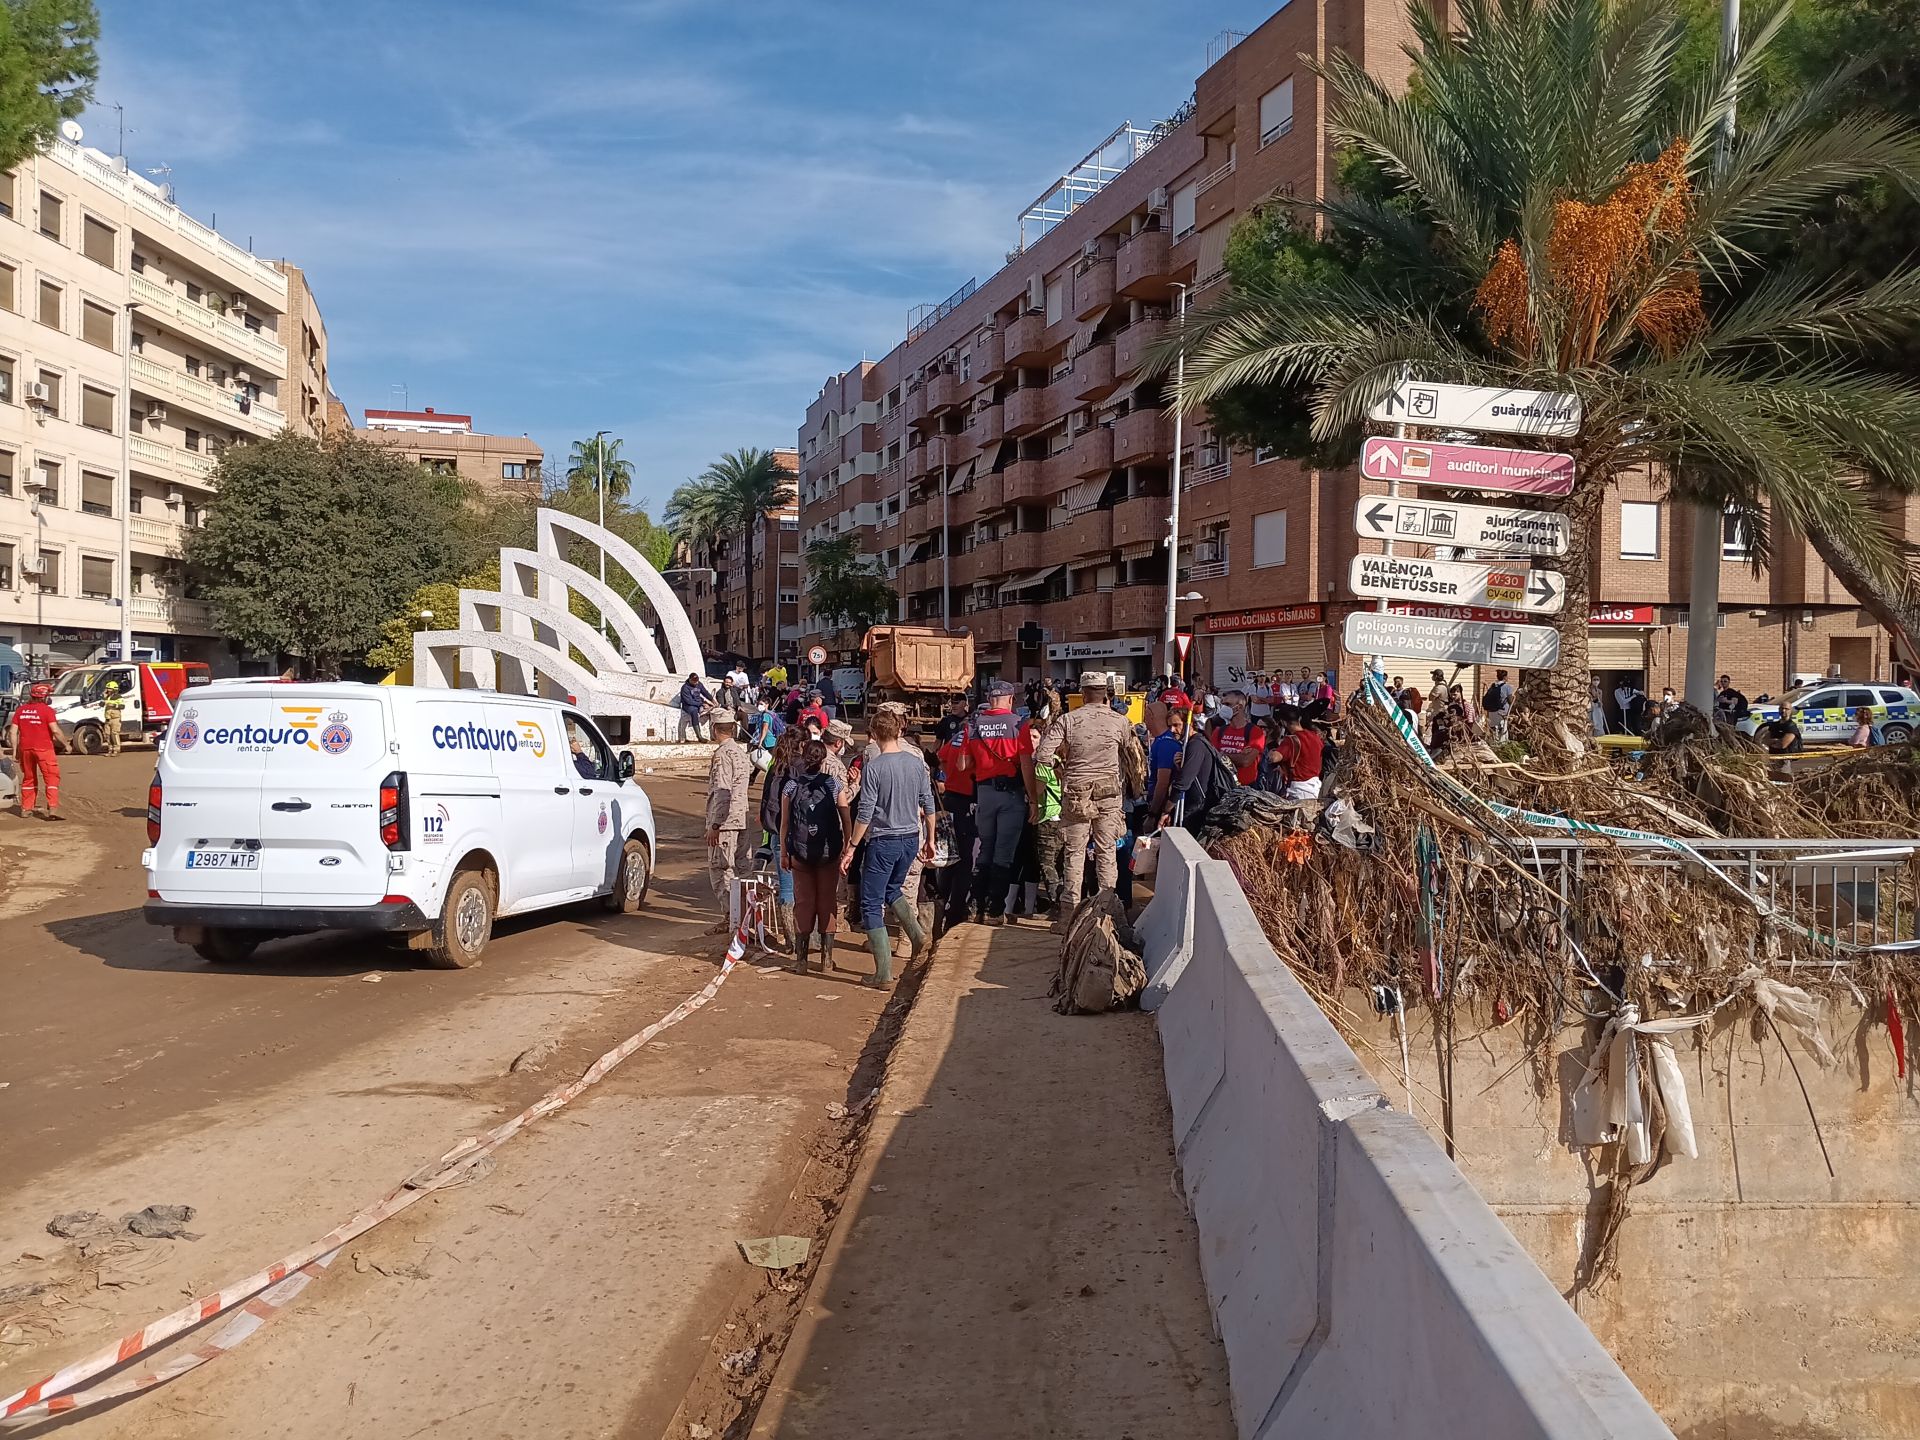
[(1030, 409), (1092, 452), (943, 392), (1142, 518), (1130, 346), (922, 461), (1143, 269), (176, 387), (925, 575), (1027, 339), (1142, 436), (188, 617), (920, 517), (1139, 607), (208, 327), (1021, 550), (1084, 535), (960, 447), (152, 536), (988, 425), (985, 497), (1025, 480), (1092, 288), (150, 457), (983, 562), (1088, 616), (915, 404), (989, 355), (1093, 370), (1206, 470)]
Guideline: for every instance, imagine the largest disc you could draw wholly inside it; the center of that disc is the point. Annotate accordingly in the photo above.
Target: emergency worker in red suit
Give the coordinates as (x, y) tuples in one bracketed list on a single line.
[(36, 737), (999, 757)]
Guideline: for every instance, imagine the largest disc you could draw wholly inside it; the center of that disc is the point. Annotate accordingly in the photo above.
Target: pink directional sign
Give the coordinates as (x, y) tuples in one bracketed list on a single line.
[(1468, 467)]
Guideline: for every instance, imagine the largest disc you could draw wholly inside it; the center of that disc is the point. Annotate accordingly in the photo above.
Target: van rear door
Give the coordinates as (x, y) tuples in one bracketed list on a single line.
[(320, 799), (210, 777)]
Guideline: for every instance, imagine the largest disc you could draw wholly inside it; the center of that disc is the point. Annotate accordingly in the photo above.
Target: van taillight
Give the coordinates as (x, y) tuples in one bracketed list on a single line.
[(393, 812), (153, 812)]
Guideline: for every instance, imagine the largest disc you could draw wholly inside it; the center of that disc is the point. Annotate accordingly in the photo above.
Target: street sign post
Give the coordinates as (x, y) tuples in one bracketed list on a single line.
[(1451, 582), (1472, 527), (1468, 467), (1464, 642), (1479, 407)]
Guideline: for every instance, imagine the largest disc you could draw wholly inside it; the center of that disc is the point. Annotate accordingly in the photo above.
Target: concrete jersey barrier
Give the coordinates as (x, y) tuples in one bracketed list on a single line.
[(1359, 1283)]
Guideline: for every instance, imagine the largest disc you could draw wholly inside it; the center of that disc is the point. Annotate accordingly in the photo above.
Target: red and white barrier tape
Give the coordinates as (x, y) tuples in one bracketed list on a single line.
[(266, 1292)]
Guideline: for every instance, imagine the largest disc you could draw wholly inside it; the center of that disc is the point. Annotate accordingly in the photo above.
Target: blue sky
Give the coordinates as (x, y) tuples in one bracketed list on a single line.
[(671, 219)]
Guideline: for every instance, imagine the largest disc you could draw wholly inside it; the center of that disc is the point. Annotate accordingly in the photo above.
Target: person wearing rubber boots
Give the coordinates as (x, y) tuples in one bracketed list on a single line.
[(36, 737), (1087, 744), (999, 758), (112, 707), (895, 817)]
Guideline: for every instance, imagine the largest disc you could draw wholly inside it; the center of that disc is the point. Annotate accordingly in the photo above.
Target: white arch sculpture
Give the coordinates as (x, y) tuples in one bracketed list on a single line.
[(524, 644), (682, 643)]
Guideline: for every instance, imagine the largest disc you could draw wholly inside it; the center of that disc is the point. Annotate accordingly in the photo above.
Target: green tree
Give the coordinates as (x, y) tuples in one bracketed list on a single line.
[(727, 505), (843, 588), (1554, 216), (589, 459), (48, 65), (310, 546)]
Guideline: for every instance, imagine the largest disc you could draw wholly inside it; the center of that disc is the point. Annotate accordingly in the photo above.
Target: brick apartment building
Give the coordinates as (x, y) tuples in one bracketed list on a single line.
[(1009, 444), (713, 577), (449, 444)]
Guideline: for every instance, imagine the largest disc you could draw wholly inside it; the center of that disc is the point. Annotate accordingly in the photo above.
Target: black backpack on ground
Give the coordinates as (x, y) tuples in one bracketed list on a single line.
[(814, 836)]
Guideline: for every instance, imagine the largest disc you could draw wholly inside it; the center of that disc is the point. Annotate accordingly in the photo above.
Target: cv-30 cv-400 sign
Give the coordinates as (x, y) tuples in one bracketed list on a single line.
[(1509, 587)]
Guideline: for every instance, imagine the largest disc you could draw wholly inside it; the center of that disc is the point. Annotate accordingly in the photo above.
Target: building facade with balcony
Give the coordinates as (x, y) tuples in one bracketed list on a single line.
[(448, 444), (1014, 420), (121, 319)]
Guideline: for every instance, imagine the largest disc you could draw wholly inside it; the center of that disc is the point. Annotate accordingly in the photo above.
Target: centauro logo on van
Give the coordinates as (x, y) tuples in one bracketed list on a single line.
[(521, 735), (302, 727)]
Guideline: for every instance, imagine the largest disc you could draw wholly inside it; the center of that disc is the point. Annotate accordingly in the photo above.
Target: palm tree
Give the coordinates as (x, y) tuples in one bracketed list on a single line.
[(590, 458), (1561, 210), (729, 503)]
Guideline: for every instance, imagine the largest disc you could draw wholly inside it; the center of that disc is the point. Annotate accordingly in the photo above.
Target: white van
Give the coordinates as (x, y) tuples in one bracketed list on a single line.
[(281, 809)]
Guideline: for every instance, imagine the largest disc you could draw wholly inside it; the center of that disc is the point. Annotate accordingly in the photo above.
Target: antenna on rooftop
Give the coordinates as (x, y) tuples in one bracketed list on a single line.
[(71, 132), (160, 172)]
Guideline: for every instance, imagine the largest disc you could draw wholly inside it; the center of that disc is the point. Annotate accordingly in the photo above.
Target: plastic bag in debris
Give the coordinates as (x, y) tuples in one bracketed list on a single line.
[(1793, 1008), (1610, 1102), (1245, 808)]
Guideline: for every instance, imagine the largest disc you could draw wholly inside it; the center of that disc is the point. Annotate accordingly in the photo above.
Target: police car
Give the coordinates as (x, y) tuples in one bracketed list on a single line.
[(1825, 711), (282, 809)]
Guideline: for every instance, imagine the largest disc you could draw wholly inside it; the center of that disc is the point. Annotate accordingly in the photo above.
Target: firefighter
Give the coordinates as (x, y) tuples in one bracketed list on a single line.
[(35, 734), (113, 707)]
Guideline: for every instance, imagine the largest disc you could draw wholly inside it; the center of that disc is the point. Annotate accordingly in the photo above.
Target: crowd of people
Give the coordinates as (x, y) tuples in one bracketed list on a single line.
[(1010, 807)]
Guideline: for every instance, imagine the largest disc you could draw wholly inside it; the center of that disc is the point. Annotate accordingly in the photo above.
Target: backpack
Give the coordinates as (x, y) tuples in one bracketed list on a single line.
[(1493, 699), (813, 838), (1133, 768), (1217, 781)]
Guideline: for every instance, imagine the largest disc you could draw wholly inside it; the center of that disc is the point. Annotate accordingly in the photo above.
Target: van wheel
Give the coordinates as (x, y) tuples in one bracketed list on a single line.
[(227, 947), (465, 924), (630, 882), (90, 740)]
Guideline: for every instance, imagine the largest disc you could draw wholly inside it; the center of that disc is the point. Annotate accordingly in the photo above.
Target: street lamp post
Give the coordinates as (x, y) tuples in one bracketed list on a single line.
[(946, 539), (1173, 509), (126, 486)]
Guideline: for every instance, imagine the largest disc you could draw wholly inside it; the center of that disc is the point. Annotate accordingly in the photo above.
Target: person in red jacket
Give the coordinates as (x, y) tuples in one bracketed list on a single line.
[(999, 761), (36, 738)]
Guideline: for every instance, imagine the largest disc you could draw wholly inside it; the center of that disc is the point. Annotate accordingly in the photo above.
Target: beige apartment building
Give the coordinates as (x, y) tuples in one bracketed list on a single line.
[(308, 389), (713, 580), (117, 306), (449, 445), (1007, 464)]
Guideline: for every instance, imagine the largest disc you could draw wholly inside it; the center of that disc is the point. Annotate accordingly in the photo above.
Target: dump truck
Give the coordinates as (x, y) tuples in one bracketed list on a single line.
[(919, 667)]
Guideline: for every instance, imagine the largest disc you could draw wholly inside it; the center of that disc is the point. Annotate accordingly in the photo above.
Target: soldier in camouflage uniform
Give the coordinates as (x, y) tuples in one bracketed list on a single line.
[(1087, 743), (730, 844)]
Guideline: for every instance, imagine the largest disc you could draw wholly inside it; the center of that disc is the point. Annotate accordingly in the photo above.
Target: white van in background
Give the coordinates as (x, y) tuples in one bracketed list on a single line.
[(279, 809)]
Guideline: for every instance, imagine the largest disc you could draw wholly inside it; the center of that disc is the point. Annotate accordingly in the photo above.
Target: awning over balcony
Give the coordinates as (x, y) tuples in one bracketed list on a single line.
[(1125, 392), (1139, 550), (1084, 496), (963, 477), (1028, 581)]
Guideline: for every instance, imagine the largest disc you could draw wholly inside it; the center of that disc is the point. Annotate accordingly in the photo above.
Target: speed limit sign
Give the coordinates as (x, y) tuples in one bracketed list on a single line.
[(817, 655)]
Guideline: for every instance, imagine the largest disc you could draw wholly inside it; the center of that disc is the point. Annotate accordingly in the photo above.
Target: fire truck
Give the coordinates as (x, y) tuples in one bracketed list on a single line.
[(149, 690)]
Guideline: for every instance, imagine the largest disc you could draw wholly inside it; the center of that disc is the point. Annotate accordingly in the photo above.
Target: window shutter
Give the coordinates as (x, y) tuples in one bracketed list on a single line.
[(96, 325), (96, 240), (1210, 251), (1639, 531), (96, 408), (49, 304), (1276, 111), (1270, 539), (1183, 199)]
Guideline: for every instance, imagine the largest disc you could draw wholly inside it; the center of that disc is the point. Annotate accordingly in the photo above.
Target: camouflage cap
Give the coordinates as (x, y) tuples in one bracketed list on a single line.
[(1095, 680)]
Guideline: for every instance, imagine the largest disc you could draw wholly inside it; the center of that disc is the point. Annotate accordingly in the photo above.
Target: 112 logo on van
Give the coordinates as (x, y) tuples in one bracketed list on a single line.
[(433, 827)]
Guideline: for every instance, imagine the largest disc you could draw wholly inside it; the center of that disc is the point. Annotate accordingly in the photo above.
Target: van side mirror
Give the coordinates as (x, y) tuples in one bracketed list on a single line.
[(626, 764)]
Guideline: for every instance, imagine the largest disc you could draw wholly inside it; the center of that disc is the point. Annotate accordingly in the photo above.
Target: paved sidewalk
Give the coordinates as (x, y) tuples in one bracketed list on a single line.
[(1013, 1260)]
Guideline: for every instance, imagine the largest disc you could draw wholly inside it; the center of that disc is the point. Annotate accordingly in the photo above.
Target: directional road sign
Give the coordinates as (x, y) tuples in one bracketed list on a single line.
[(1468, 467), (1508, 587), (1473, 527), (1465, 642), (1480, 407)]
